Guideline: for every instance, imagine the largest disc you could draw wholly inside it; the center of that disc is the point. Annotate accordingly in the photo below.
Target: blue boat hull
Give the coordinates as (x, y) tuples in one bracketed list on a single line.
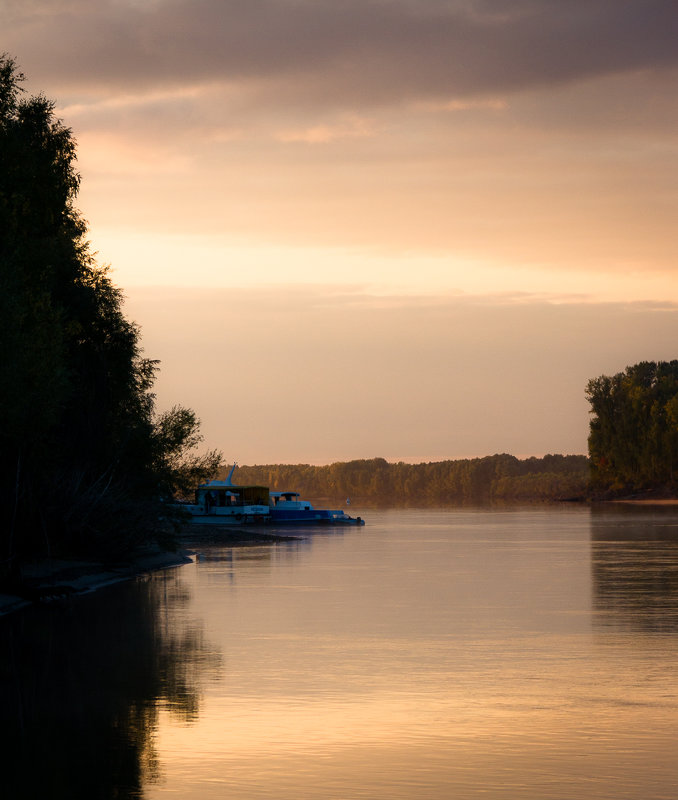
[(315, 516)]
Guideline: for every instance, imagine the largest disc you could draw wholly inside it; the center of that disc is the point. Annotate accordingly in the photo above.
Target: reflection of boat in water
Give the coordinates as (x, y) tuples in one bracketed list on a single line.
[(286, 508)]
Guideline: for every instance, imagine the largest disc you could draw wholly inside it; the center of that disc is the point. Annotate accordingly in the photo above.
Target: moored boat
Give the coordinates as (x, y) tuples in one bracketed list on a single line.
[(226, 503), (287, 508), (223, 503)]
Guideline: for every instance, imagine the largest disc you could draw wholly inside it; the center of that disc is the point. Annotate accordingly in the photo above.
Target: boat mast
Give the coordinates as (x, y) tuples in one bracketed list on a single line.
[(229, 477)]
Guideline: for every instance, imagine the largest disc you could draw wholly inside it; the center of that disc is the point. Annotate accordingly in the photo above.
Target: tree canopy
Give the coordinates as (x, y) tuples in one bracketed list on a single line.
[(633, 439), (83, 455)]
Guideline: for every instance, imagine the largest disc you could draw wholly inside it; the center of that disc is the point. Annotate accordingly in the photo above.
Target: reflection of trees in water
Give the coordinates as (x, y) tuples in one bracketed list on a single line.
[(634, 557), (82, 685)]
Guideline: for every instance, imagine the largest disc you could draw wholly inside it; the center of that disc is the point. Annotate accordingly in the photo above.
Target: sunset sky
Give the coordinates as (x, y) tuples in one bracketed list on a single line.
[(354, 228)]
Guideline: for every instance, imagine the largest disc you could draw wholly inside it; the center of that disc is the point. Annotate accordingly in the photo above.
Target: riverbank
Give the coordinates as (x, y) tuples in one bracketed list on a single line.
[(55, 580), (667, 501), (52, 580)]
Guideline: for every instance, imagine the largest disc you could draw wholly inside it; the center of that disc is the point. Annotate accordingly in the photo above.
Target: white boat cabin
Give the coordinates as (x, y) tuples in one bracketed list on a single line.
[(221, 502), (289, 500)]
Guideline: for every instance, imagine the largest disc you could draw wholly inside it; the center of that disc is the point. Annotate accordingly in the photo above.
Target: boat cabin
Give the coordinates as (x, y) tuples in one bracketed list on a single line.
[(288, 500), (219, 494)]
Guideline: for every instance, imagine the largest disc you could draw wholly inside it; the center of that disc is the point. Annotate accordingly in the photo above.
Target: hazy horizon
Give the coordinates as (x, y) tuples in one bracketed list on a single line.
[(338, 376)]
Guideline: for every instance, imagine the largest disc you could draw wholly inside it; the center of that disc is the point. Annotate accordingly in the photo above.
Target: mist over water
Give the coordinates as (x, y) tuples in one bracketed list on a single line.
[(501, 654)]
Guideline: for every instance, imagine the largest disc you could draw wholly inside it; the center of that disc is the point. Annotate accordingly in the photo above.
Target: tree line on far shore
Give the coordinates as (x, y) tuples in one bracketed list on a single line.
[(633, 449), (497, 478)]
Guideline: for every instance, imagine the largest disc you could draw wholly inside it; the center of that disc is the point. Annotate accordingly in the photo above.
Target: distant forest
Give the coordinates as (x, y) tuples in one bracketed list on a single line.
[(497, 478)]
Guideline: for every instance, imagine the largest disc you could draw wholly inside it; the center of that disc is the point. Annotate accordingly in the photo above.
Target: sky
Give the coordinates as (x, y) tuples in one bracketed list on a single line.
[(411, 229)]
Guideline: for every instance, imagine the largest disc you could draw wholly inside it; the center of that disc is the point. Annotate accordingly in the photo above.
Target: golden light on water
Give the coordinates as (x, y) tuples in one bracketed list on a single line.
[(541, 679)]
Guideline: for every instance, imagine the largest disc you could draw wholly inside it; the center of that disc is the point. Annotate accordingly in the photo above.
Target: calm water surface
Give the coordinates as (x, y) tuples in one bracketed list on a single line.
[(430, 654)]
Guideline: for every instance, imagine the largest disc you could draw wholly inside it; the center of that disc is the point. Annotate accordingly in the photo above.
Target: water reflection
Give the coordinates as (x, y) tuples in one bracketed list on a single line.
[(224, 563), (634, 560), (82, 684), (436, 654)]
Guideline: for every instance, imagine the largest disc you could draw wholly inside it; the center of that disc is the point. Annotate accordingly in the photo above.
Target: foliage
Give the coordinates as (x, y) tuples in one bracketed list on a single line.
[(178, 466), (633, 439), (83, 460), (498, 478)]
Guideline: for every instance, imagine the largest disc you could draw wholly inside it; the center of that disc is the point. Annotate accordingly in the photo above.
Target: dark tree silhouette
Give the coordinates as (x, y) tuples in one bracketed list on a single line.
[(83, 458), (633, 440)]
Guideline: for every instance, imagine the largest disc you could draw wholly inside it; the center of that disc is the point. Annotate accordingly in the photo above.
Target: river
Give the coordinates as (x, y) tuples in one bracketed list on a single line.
[(516, 653)]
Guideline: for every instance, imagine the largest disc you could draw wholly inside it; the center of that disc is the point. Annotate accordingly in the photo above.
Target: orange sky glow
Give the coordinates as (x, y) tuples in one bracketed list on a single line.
[(380, 227)]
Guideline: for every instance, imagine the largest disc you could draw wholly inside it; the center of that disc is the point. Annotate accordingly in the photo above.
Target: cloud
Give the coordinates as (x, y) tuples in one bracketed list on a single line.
[(535, 133), (351, 54), (464, 105), (351, 128)]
